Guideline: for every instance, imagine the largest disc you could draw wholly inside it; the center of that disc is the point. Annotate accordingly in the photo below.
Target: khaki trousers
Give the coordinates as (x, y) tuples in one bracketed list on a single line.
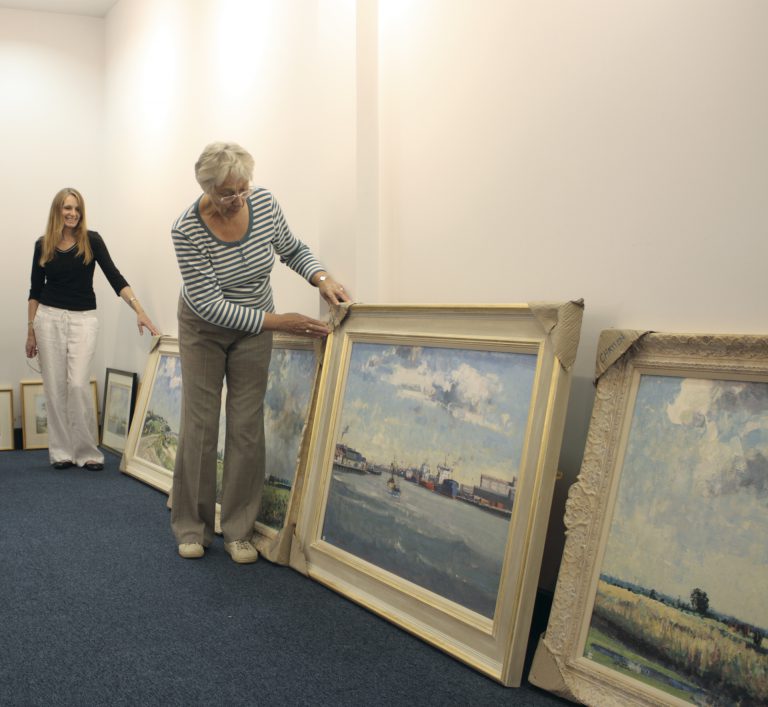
[(209, 354)]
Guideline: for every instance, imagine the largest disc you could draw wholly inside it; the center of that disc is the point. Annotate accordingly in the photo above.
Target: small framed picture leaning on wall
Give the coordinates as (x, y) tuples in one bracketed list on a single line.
[(119, 401), (6, 419), (34, 416)]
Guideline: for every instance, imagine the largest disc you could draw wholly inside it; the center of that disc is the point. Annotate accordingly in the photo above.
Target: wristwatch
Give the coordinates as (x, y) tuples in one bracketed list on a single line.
[(322, 278)]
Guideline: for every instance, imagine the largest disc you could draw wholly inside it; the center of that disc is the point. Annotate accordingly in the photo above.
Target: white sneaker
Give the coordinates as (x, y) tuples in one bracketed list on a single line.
[(242, 551), (191, 551)]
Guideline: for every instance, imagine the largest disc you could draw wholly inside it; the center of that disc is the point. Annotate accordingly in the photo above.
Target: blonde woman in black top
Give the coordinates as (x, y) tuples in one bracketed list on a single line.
[(62, 326)]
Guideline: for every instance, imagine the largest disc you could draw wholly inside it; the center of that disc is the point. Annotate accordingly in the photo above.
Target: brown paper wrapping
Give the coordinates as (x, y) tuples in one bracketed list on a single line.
[(612, 345), (562, 322)]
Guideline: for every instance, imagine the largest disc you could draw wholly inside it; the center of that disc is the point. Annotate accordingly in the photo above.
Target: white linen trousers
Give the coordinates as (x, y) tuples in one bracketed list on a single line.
[(66, 342)]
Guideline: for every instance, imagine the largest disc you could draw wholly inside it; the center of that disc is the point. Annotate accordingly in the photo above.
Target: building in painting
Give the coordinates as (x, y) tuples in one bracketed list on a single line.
[(496, 493)]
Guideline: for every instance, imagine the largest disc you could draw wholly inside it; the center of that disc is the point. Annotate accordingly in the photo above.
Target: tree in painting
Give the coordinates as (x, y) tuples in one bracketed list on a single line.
[(691, 504)]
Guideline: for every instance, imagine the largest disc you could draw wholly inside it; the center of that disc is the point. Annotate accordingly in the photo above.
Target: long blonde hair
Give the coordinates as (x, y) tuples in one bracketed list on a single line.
[(55, 228)]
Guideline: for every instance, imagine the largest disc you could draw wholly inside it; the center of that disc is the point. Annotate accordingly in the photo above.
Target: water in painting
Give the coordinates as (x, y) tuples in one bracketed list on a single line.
[(426, 464)]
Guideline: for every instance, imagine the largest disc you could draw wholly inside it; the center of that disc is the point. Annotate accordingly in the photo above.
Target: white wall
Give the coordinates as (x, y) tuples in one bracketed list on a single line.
[(430, 151), (273, 76), (51, 122), (615, 151)]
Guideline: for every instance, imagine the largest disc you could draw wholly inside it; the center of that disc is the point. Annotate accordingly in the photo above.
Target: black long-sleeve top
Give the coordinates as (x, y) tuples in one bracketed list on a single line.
[(66, 281)]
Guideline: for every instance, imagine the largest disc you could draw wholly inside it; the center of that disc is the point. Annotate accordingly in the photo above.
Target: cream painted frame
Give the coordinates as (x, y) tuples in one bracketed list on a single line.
[(132, 463), (31, 393), (494, 646), (623, 357), (7, 441)]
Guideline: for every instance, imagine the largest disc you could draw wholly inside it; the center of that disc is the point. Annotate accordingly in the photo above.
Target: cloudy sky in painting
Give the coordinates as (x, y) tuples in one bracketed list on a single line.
[(692, 505), (418, 404), (166, 390), (286, 403)]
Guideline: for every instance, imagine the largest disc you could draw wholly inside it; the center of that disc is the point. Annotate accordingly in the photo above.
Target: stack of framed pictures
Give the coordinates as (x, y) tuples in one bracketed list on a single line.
[(150, 451), (411, 460), (660, 598)]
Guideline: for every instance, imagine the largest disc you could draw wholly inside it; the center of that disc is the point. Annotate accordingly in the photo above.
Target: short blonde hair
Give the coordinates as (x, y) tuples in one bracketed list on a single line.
[(220, 160)]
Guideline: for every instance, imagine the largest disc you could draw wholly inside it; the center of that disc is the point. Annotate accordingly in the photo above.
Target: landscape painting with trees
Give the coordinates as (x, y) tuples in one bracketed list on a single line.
[(681, 598), (160, 428)]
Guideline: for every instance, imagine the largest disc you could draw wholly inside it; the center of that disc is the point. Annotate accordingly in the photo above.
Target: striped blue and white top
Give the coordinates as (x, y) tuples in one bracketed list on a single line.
[(228, 283)]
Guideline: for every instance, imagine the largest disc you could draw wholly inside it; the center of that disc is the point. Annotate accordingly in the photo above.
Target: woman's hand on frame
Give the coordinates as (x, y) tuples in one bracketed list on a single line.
[(143, 321), (332, 291), (301, 325)]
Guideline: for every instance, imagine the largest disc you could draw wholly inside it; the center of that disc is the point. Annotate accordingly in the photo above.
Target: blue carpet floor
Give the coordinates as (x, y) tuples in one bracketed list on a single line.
[(96, 608)]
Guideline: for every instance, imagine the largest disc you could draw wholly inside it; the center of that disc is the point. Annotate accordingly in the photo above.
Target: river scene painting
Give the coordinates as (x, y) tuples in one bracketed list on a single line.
[(681, 602), (427, 451)]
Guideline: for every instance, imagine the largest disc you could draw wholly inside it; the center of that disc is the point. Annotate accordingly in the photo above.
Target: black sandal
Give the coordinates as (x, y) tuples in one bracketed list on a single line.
[(93, 466), (62, 465)]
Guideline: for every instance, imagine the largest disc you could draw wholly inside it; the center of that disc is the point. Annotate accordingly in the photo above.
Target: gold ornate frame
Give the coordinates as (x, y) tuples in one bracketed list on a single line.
[(560, 665)]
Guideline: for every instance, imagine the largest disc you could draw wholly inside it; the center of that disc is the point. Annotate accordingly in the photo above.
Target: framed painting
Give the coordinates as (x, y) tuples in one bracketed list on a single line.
[(119, 401), (34, 417), (150, 447), (660, 598), (291, 388), (431, 467), (6, 419)]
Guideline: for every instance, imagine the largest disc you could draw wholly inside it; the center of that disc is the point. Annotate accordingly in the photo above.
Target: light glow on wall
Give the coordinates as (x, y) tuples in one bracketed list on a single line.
[(243, 39), (158, 69)]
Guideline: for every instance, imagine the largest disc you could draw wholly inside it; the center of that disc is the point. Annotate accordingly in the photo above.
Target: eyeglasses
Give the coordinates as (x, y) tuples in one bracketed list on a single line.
[(232, 198)]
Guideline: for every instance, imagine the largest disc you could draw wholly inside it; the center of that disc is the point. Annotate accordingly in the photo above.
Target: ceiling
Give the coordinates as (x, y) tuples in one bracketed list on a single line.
[(92, 8)]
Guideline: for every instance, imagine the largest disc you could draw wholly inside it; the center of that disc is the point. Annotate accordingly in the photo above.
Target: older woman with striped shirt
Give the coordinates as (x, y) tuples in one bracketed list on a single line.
[(226, 243)]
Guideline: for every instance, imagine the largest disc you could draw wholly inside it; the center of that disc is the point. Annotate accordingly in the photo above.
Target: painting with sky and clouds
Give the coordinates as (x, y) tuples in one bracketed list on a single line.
[(286, 407), (681, 602), (428, 446)]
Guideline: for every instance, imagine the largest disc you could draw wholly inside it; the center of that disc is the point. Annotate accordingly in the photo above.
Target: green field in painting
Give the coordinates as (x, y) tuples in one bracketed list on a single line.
[(641, 634), (274, 506), (595, 636)]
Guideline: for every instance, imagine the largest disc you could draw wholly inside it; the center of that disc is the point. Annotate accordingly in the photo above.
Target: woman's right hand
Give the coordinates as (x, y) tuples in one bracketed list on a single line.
[(31, 347), (299, 325)]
